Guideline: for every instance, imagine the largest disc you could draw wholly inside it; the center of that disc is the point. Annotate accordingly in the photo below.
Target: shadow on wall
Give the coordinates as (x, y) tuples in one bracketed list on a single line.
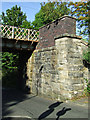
[(38, 81)]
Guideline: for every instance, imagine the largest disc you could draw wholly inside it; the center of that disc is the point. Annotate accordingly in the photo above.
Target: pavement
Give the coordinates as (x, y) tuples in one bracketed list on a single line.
[(82, 101), (18, 104)]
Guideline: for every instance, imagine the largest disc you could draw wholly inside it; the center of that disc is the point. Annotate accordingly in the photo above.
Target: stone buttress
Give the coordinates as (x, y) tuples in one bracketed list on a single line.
[(55, 70)]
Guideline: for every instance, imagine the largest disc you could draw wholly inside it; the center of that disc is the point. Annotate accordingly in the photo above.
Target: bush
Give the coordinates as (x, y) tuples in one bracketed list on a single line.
[(9, 69), (86, 56), (87, 89)]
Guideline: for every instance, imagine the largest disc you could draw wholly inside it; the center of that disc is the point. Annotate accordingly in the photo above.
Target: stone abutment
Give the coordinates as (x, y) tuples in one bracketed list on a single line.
[(56, 70)]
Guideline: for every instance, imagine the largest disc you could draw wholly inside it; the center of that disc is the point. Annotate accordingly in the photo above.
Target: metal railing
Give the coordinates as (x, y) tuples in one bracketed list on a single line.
[(17, 33)]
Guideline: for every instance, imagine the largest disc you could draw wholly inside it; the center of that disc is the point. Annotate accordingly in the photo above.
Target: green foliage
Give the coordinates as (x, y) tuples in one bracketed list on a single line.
[(0, 19), (87, 89), (14, 16), (9, 61), (50, 11), (27, 24), (9, 69), (86, 56), (80, 10)]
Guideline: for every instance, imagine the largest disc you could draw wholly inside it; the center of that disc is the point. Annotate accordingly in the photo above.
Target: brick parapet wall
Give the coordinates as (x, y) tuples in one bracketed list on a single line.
[(65, 24)]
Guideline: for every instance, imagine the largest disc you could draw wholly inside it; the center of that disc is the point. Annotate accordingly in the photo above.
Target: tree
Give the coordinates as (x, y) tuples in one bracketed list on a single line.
[(49, 12), (9, 61), (81, 10), (14, 16), (27, 24), (0, 19)]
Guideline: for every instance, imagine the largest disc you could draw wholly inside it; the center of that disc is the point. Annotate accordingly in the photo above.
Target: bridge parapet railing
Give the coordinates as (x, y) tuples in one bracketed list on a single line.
[(18, 33)]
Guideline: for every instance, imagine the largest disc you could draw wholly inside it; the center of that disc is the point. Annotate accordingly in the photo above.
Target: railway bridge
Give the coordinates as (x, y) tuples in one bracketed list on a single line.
[(56, 69), (22, 41)]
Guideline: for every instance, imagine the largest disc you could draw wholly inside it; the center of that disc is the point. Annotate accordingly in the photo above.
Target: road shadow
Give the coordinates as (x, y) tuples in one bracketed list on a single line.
[(12, 97), (62, 112), (49, 111)]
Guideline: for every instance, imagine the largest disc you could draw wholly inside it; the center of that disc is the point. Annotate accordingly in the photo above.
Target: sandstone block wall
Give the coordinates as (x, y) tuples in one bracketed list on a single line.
[(58, 72), (71, 70), (56, 68), (45, 74)]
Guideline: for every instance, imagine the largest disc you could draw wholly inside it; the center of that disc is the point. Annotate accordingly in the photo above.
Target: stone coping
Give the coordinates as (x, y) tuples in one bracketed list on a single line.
[(45, 49), (71, 36), (67, 35), (58, 19)]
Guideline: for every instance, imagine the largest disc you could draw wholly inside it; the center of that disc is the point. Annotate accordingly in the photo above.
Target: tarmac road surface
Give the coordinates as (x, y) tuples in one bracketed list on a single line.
[(15, 103)]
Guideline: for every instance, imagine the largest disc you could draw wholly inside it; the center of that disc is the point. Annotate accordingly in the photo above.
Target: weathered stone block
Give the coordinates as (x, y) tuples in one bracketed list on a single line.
[(65, 94), (78, 87), (76, 81), (75, 74), (74, 61), (75, 67)]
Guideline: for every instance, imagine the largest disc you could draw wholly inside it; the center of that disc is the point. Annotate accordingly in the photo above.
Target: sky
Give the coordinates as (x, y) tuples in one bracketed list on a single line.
[(30, 7)]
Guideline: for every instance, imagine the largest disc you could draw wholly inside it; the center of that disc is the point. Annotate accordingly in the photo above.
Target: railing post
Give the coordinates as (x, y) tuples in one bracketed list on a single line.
[(13, 32), (28, 33)]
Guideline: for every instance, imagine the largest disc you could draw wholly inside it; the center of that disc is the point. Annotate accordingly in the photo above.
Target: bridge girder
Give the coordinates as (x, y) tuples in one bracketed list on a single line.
[(17, 45)]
